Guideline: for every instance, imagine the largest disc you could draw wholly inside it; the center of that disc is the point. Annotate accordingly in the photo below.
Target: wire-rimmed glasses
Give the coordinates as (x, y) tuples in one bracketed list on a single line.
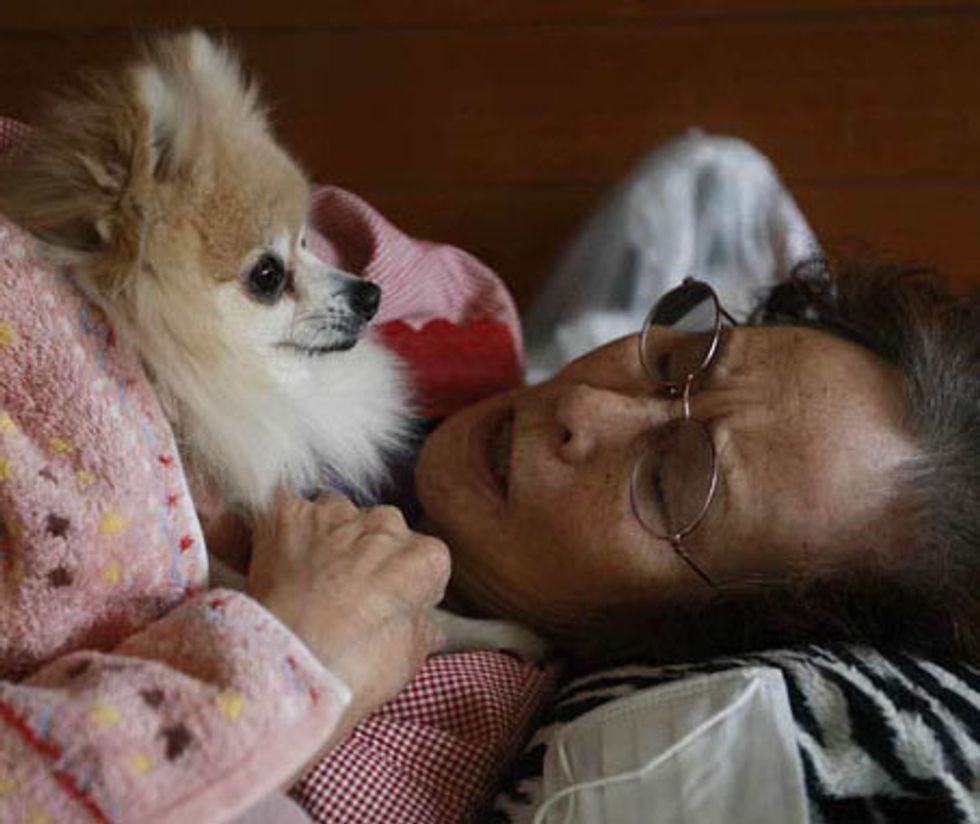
[(675, 477)]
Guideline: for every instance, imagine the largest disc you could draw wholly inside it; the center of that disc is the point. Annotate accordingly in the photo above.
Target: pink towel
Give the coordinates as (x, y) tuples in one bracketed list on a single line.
[(178, 709)]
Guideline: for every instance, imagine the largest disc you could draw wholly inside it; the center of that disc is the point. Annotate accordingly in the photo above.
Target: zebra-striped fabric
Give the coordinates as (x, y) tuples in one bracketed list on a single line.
[(883, 737)]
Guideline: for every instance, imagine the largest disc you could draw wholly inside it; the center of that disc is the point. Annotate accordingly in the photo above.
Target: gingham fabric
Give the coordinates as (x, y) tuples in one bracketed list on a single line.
[(435, 753)]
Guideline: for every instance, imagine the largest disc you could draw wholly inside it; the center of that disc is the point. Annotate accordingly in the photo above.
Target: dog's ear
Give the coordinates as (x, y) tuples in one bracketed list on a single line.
[(65, 181), (187, 82), (77, 181), (85, 180)]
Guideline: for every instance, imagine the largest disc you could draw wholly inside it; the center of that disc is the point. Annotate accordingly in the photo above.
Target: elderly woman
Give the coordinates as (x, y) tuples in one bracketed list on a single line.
[(702, 487)]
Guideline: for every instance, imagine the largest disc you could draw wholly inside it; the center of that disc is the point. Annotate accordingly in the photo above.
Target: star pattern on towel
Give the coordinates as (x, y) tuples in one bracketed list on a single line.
[(177, 738), (7, 334), (79, 668), (60, 577), (152, 697), (57, 525)]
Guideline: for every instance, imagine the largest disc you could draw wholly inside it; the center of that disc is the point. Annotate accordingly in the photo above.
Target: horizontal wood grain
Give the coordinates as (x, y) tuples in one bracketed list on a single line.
[(497, 125), (296, 14), (557, 105)]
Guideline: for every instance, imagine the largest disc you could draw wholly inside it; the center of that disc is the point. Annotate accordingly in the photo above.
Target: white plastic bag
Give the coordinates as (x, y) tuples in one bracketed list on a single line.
[(711, 207)]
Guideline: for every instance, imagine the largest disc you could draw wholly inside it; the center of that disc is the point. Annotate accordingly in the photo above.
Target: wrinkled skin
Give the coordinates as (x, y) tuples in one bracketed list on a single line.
[(808, 432)]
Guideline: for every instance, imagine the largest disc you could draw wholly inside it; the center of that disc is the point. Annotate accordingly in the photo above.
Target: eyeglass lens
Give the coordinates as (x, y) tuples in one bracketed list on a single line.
[(692, 310), (673, 477)]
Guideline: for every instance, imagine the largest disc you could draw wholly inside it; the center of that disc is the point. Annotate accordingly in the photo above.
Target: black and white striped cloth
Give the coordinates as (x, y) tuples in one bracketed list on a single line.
[(883, 737)]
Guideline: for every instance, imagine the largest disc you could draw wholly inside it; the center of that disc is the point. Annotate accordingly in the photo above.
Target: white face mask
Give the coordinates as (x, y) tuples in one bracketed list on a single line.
[(713, 749)]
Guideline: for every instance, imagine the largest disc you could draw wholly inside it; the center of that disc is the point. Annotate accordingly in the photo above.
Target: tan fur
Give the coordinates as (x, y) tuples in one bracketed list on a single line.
[(175, 191), (116, 194)]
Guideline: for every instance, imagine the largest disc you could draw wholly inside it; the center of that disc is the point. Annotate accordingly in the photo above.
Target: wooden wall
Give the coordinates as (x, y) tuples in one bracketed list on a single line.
[(496, 124)]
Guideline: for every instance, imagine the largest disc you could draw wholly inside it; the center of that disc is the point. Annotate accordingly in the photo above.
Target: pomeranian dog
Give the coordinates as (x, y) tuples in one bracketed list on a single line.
[(163, 191)]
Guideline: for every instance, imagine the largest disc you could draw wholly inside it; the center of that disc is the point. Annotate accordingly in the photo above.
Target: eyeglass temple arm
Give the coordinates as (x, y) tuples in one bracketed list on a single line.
[(679, 549), (727, 316)]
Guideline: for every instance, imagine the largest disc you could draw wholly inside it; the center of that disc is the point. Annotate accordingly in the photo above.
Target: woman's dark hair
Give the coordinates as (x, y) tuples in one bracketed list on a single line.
[(923, 593)]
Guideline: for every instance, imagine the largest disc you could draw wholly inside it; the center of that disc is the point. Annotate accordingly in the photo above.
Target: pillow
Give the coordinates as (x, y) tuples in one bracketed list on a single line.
[(436, 753), (882, 736)]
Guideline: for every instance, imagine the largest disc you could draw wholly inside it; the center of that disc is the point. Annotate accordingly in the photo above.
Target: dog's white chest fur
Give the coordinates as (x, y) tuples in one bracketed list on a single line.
[(300, 421)]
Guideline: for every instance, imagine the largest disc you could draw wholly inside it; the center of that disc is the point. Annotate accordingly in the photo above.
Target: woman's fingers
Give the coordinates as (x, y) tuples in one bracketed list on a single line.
[(385, 519), (331, 510), (432, 565), (358, 585)]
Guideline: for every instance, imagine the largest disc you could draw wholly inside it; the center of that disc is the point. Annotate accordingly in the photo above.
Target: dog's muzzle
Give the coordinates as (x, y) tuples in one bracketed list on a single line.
[(336, 313)]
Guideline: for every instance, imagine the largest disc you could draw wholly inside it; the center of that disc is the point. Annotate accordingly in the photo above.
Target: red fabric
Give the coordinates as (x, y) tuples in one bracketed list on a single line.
[(435, 753), (454, 365), (420, 281)]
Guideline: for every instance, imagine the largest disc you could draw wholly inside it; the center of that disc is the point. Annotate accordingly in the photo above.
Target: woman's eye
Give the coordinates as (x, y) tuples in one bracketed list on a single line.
[(657, 487), (686, 359), (663, 366), (267, 278)]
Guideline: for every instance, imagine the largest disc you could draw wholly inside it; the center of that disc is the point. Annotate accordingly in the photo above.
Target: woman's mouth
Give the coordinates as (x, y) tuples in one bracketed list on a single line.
[(499, 448), (490, 451)]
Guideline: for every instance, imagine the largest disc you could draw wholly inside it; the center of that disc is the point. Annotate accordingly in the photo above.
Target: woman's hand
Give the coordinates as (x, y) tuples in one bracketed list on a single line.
[(357, 585)]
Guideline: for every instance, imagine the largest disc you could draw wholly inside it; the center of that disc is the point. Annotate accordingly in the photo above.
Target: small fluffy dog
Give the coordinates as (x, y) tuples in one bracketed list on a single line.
[(163, 190)]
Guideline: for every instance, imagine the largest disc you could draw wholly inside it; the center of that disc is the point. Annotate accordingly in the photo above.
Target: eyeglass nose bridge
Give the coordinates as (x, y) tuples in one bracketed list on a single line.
[(686, 398)]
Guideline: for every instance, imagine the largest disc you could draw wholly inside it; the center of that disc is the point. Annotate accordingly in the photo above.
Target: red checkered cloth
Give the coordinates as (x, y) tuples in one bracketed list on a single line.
[(437, 752)]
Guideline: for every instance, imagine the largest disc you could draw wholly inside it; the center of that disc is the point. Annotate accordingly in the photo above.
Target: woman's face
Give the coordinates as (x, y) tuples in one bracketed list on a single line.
[(807, 429)]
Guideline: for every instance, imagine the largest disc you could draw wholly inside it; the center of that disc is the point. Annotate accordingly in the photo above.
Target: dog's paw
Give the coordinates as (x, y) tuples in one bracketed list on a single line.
[(511, 637), (467, 634)]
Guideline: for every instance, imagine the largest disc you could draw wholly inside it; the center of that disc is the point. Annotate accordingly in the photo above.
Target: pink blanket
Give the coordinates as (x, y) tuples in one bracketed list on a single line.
[(142, 700)]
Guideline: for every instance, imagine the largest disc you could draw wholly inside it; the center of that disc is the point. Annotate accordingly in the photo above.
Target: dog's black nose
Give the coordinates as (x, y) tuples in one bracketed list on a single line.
[(364, 298)]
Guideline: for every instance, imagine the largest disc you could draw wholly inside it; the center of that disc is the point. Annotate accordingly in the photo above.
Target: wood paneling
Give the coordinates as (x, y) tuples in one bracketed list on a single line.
[(497, 125), (294, 14)]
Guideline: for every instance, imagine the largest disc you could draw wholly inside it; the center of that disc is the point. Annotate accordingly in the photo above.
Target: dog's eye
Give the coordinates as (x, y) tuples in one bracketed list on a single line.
[(267, 278)]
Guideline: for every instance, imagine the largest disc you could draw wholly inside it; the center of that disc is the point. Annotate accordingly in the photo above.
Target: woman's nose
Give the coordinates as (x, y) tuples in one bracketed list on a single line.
[(592, 419)]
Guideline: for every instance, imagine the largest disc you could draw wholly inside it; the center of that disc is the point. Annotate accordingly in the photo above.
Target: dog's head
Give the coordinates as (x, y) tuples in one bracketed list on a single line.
[(164, 190)]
